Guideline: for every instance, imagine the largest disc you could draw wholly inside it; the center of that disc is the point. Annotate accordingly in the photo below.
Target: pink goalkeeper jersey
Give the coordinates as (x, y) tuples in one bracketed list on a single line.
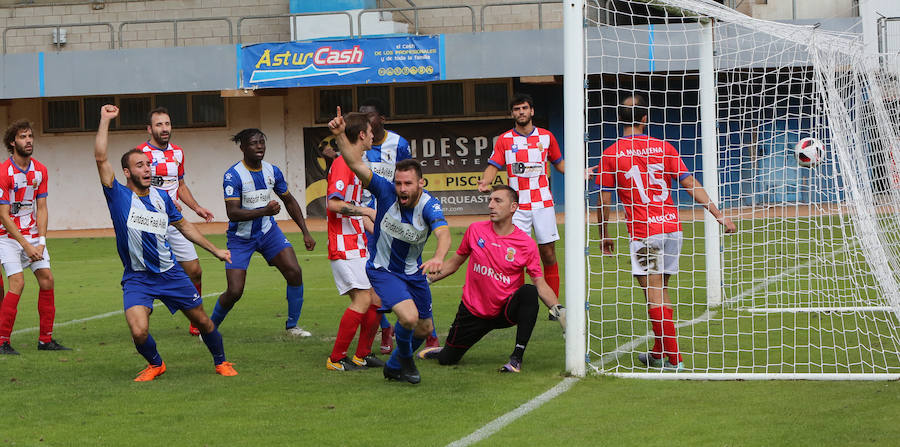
[(496, 267)]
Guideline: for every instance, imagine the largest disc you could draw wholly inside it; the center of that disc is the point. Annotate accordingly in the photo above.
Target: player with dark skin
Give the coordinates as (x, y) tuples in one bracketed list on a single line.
[(286, 261)]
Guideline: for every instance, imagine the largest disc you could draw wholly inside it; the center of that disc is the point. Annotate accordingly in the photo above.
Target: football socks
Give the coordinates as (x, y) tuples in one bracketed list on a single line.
[(8, 311), (47, 312), (346, 331), (148, 350), (213, 342), (295, 305)]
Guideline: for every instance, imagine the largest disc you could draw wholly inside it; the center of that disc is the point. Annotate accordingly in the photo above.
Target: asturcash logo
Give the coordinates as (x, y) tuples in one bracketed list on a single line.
[(293, 65)]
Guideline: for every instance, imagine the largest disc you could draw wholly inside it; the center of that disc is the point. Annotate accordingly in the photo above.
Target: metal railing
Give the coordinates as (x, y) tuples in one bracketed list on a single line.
[(357, 32), (305, 14), (56, 28), (175, 23), (539, 3), (391, 3), (415, 11)]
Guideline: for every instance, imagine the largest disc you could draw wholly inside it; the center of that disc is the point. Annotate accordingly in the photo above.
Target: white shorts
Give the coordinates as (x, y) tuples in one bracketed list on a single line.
[(543, 220), (12, 255), (656, 254), (350, 274), (182, 248)]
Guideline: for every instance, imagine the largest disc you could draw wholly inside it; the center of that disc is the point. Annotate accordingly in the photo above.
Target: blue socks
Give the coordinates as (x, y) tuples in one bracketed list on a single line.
[(213, 341), (148, 350), (219, 314), (295, 305), (416, 343), (403, 347), (384, 322)]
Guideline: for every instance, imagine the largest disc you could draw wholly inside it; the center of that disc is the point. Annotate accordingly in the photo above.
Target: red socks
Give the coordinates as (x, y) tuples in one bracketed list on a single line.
[(346, 331), (551, 275), (8, 312), (47, 312), (661, 318), (367, 330)]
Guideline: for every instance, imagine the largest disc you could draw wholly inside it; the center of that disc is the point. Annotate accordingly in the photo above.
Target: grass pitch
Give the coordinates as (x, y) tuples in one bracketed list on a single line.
[(285, 395)]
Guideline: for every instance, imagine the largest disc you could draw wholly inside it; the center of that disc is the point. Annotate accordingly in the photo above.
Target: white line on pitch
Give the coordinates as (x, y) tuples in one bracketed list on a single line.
[(502, 421), (93, 317)]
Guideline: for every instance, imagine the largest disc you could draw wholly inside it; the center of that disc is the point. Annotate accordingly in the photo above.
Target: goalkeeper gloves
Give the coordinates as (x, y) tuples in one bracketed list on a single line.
[(558, 313)]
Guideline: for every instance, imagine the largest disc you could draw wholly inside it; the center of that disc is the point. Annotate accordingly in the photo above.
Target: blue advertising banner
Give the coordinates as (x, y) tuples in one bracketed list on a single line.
[(342, 62)]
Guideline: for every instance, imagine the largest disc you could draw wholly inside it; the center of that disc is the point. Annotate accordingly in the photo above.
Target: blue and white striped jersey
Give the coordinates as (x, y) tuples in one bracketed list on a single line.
[(140, 224), (400, 233), (382, 159), (254, 189)]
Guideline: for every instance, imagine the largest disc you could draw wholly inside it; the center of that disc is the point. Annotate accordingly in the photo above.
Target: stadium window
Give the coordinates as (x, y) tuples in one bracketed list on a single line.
[(329, 99), (448, 99), (492, 97), (411, 100), (83, 114), (207, 110), (91, 108), (63, 115), (379, 92), (177, 105), (133, 112)]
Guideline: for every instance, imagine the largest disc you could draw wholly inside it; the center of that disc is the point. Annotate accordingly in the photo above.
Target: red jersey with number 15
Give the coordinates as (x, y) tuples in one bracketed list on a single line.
[(20, 188), (641, 169)]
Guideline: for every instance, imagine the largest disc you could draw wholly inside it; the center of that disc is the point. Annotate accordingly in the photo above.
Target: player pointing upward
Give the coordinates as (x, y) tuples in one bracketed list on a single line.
[(641, 169), (141, 216), (405, 216)]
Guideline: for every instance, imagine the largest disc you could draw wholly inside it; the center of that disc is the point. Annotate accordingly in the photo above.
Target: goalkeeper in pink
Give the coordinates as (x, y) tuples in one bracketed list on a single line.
[(641, 169), (495, 295)]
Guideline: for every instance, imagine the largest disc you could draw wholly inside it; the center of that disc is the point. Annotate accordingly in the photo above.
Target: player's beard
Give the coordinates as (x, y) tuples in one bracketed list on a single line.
[(158, 137), (22, 151), (523, 120), (138, 180)]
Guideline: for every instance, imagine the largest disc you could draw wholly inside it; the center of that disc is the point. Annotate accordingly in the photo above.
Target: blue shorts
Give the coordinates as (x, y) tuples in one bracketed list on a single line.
[(172, 287), (269, 245), (393, 288)]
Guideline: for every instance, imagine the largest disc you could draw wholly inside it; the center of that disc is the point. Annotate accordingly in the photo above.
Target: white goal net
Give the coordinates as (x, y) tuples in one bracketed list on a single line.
[(809, 285)]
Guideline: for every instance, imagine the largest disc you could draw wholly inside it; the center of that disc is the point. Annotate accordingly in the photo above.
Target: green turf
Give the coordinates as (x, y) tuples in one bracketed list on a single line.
[(284, 394)]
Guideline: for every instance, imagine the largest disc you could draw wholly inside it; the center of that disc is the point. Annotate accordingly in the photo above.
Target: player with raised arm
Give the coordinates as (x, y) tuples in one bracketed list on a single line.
[(248, 188), (141, 216), (23, 213), (495, 295), (167, 169), (348, 255), (387, 149), (641, 168), (405, 216), (524, 151)]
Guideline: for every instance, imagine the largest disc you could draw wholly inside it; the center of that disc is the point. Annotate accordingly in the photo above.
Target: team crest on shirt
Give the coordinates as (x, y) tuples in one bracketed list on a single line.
[(339, 184), (229, 190), (510, 254), (514, 148), (158, 203), (270, 181), (481, 242)]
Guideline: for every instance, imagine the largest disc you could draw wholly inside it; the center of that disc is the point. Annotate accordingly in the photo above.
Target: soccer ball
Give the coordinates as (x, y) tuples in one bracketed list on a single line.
[(809, 152)]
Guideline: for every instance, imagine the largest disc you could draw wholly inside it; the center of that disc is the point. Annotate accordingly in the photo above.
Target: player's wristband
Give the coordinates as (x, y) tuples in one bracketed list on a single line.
[(42, 240)]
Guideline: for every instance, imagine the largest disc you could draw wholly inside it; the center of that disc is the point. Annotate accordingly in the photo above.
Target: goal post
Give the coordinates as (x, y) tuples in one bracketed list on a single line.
[(809, 286)]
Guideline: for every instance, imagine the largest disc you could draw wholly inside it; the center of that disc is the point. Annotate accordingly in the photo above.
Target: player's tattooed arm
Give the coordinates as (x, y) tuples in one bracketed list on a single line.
[(104, 168), (293, 209), (194, 235), (339, 206)]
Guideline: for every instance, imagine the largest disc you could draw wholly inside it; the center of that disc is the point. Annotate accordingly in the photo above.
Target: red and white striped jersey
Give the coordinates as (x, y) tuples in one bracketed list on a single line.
[(346, 234), (166, 165), (20, 189), (525, 158)]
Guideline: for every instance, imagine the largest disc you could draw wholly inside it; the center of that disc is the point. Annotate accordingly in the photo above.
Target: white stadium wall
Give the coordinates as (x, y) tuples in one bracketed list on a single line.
[(76, 201)]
